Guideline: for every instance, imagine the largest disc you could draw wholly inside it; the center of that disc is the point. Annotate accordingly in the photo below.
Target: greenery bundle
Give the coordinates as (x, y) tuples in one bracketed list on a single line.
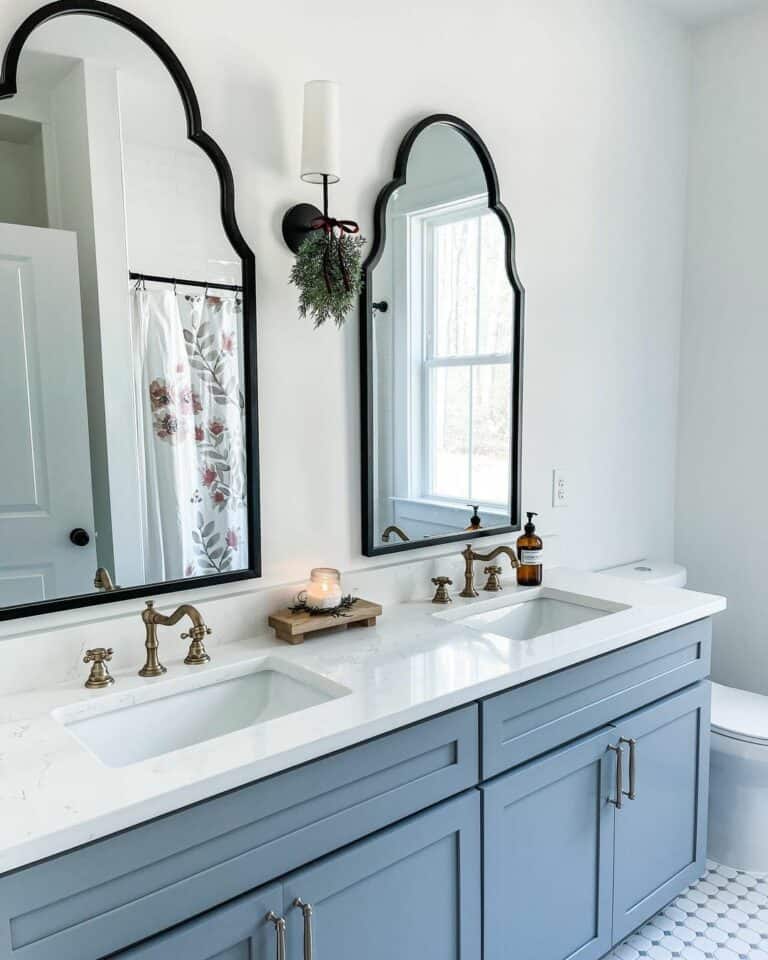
[(328, 274), (345, 604)]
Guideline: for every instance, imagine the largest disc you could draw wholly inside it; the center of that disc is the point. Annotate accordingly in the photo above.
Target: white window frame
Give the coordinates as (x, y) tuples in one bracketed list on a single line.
[(417, 339)]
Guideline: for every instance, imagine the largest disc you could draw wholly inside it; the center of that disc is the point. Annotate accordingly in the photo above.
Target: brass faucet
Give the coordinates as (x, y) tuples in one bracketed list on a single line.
[(151, 618), (392, 528), (469, 558)]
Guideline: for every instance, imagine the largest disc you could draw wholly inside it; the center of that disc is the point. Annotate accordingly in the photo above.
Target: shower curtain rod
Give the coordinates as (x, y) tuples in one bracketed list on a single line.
[(184, 283)]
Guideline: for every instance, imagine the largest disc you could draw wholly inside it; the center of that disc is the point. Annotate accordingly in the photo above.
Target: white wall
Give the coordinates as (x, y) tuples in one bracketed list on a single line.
[(118, 480), (722, 511), (74, 188), (22, 183), (583, 104), (171, 188)]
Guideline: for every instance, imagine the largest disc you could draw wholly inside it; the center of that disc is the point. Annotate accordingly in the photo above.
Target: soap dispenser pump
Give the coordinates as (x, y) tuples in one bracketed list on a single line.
[(530, 553)]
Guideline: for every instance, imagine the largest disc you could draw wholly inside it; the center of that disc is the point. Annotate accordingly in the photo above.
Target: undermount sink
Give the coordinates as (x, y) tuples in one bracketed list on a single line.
[(543, 613), (179, 714)]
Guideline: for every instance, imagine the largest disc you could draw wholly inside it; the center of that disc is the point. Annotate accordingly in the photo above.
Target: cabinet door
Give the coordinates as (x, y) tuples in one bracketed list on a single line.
[(238, 931), (661, 834), (548, 852), (409, 892)]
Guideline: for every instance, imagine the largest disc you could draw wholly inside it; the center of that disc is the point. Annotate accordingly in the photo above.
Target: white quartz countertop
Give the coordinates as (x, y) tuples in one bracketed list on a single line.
[(55, 794)]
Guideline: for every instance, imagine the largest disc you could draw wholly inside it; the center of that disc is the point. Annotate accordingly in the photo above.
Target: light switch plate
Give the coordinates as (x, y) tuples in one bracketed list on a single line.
[(559, 488)]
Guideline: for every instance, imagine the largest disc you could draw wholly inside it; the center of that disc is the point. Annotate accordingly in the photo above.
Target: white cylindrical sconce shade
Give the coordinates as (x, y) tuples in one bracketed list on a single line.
[(321, 132)]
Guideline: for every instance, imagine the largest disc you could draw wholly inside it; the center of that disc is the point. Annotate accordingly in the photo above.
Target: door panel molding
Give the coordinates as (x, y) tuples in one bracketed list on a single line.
[(668, 818)]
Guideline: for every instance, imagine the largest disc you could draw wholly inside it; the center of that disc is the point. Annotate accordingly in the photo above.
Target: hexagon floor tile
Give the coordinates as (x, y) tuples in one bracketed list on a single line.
[(722, 917)]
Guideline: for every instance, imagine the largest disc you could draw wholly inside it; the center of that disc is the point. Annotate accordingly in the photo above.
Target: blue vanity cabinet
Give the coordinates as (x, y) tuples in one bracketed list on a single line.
[(661, 835), (239, 930), (93, 901), (567, 872), (409, 892), (548, 852), (386, 842)]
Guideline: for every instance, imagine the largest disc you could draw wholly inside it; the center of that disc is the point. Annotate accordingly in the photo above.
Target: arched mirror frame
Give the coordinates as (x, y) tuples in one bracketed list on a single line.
[(372, 547), (195, 133)]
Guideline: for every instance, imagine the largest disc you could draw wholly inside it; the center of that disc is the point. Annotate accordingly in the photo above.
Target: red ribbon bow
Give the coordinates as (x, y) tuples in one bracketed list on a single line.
[(329, 225)]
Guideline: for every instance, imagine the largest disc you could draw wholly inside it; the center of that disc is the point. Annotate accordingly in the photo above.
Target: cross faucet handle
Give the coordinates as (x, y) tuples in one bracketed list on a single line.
[(441, 594), (493, 584), (98, 655), (197, 654), (197, 633), (99, 676)]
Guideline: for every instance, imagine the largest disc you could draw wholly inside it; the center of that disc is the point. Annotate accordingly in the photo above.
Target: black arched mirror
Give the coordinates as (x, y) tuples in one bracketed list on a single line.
[(128, 369), (441, 348)]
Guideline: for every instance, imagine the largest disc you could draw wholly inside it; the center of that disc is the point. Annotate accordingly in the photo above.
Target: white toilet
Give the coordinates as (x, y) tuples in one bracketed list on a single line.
[(738, 779), (738, 798)]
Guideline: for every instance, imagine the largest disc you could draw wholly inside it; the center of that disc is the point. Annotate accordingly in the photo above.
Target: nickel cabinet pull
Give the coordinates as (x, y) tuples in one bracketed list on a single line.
[(618, 750), (306, 912), (279, 923), (632, 792)]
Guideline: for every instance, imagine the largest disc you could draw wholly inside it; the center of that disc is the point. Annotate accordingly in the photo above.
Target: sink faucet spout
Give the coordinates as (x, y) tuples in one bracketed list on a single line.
[(151, 617), (469, 569)]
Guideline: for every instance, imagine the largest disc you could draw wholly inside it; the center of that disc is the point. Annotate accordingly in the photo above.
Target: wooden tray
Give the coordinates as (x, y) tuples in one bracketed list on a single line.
[(294, 627)]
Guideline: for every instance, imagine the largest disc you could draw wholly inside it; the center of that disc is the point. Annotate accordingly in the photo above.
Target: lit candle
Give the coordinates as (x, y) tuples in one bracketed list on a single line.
[(323, 592)]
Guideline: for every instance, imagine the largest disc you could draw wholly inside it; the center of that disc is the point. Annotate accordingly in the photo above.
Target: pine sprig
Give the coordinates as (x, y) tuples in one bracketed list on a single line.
[(308, 274)]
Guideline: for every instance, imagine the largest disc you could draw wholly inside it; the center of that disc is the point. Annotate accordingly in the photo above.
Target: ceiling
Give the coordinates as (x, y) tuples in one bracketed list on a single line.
[(696, 12)]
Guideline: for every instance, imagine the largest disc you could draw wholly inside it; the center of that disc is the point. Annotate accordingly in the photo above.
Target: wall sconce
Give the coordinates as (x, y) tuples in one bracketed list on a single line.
[(319, 159), (327, 269)]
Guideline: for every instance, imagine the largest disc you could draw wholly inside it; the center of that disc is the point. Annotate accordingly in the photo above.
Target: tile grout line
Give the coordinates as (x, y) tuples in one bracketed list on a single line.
[(723, 916)]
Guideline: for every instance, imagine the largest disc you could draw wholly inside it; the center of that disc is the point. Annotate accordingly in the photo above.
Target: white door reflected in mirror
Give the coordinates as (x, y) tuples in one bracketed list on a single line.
[(44, 447)]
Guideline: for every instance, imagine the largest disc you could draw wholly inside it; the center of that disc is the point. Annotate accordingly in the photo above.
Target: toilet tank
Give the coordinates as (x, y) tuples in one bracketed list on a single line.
[(659, 572)]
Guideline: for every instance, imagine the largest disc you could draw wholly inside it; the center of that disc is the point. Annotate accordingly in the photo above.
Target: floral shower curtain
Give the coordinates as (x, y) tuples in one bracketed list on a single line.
[(188, 375)]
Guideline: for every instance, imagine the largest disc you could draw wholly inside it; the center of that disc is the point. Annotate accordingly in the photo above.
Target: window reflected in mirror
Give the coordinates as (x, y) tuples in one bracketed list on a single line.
[(444, 389)]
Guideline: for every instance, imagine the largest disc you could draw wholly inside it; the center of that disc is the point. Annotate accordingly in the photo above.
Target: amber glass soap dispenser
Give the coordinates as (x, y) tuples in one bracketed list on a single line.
[(530, 553)]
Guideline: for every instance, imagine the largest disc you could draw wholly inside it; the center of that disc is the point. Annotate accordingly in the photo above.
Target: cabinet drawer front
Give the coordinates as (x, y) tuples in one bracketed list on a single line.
[(114, 892), (548, 851), (529, 720)]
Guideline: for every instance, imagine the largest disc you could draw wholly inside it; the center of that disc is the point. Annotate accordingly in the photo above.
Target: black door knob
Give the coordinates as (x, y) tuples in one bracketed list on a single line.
[(80, 537)]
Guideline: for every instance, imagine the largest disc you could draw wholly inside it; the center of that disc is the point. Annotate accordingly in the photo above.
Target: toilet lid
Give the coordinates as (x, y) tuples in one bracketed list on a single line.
[(739, 714), (651, 571)]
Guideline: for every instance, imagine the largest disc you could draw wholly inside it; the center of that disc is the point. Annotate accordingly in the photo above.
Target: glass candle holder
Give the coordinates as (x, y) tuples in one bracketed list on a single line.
[(323, 592)]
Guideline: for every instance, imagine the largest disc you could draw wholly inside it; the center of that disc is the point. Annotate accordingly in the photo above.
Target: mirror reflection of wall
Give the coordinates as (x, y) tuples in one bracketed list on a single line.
[(126, 399), (444, 377)]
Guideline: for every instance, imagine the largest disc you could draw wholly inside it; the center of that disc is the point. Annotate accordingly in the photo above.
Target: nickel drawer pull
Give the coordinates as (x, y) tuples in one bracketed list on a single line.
[(306, 912), (618, 750), (279, 923), (632, 792)]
